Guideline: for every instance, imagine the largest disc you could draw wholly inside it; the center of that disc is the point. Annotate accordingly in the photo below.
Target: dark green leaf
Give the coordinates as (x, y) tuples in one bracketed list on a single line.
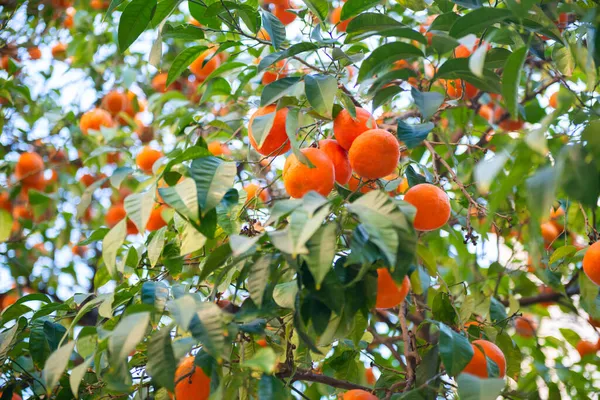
[(276, 90), (427, 102), (413, 135), (355, 7), (182, 61), (188, 32), (455, 350), (375, 24), (274, 28), (134, 20), (477, 20), (320, 93), (511, 79), (383, 57), (318, 7), (161, 359)]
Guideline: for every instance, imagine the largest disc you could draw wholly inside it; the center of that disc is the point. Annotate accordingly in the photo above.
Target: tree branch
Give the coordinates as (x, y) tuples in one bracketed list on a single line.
[(545, 297), (310, 376)]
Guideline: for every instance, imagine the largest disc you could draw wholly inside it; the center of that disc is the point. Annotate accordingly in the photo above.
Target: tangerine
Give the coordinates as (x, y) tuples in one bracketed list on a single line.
[(358, 394), (432, 204), (336, 16), (374, 154), (591, 263), (300, 179), (553, 101), (346, 129), (30, 169), (156, 221), (584, 348), (94, 119), (389, 293), (483, 349), (525, 326), (254, 191), (192, 382), (202, 69), (276, 141), (146, 158), (339, 158)]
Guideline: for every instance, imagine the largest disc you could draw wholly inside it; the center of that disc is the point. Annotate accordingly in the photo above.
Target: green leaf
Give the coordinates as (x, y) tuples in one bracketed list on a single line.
[(43, 339), (320, 93), (396, 74), (274, 28), (292, 124), (413, 135), (111, 244), (580, 178), (455, 350), (187, 32), (182, 61), (427, 102), (182, 198), (264, 360), (77, 375), (112, 6), (511, 78), (383, 57), (127, 334), (161, 359), (293, 50), (471, 387), (278, 89), (86, 197), (271, 388), (259, 278), (164, 8), (382, 96), (156, 246), (321, 251), (213, 178), (55, 366), (207, 326), (318, 7), (477, 20), (565, 62), (486, 170), (458, 68), (134, 20), (6, 223), (155, 294), (191, 240), (139, 207), (355, 7), (214, 260), (375, 24), (7, 341), (284, 294)]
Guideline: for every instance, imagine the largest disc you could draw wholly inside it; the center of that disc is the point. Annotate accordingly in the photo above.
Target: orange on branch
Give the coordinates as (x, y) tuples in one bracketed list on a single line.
[(584, 348), (370, 376), (95, 119), (59, 51), (525, 326), (339, 158), (146, 158), (346, 129), (115, 214), (300, 179), (358, 394), (192, 382), (30, 169), (218, 149), (253, 191), (276, 141), (34, 53), (335, 18), (205, 64), (591, 263), (462, 51), (389, 293), (156, 221), (365, 186), (5, 202), (432, 204), (115, 101), (262, 342), (553, 102), (263, 34), (549, 233), (374, 154), (159, 83), (478, 364), (286, 17)]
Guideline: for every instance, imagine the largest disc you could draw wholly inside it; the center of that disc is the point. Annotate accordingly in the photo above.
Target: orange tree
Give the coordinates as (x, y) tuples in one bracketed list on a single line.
[(371, 199)]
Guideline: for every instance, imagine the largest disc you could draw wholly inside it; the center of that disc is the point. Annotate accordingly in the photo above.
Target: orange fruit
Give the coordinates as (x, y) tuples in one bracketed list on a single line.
[(218, 148), (59, 51), (547, 290), (201, 69), (299, 179), (94, 119), (432, 204), (462, 51), (192, 382), (14, 396), (156, 221), (34, 53), (591, 263), (389, 293), (263, 34), (281, 12), (549, 232), (339, 158), (594, 322), (115, 101), (335, 18), (370, 376), (276, 142), (358, 394), (30, 169), (22, 212), (87, 180), (159, 83), (262, 342), (79, 250), (402, 187), (275, 73), (374, 154), (491, 114), (5, 202), (478, 364), (8, 299), (553, 102), (470, 92), (365, 187), (512, 125), (115, 214), (146, 158), (525, 326), (346, 129), (454, 88), (99, 4), (253, 191), (584, 348)]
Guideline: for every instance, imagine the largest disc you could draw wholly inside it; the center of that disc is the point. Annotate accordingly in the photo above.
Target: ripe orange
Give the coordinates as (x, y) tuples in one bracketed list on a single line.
[(470, 92), (335, 18), (402, 187), (87, 179), (358, 394), (159, 83), (263, 34), (549, 232), (370, 376), (262, 342), (299, 179), (591, 263), (525, 326), (374, 154), (115, 101), (94, 119), (346, 129), (432, 204), (275, 73), (253, 191), (146, 158), (389, 293), (584, 348), (478, 364), (217, 148), (156, 221), (192, 382), (339, 158), (34, 53), (99, 4), (512, 125), (30, 169), (281, 12), (365, 187), (115, 214), (79, 250), (454, 88), (462, 51), (22, 212), (9, 299), (59, 51), (276, 142), (201, 69), (553, 102), (491, 114), (5, 202), (14, 396), (143, 132), (556, 218)]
